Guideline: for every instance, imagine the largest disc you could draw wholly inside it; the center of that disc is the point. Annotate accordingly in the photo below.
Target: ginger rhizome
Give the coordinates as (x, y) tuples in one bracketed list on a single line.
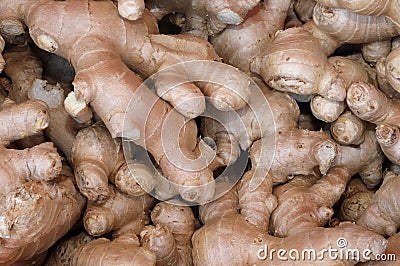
[(348, 129), (355, 200), (84, 49), (386, 8), (306, 202), (204, 18), (311, 198), (228, 236), (118, 212), (121, 250), (131, 9), (170, 235), (381, 215), (310, 148), (37, 214)]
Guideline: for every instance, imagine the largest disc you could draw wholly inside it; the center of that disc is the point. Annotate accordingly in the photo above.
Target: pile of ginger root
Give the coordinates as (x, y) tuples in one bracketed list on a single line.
[(302, 156)]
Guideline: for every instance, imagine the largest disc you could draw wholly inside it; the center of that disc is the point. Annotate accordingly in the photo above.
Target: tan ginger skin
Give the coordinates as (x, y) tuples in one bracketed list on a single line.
[(230, 238), (381, 215), (372, 105), (95, 156), (36, 215), (296, 151), (170, 236), (390, 9), (304, 9), (84, 45), (63, 252), (204, 18), (348, 129), (373, 51), (355, 200), (306, 202), (23, 68), (117, 212), (40, 162), (350, 70), (121, 250), (310, 200), (253, 53)]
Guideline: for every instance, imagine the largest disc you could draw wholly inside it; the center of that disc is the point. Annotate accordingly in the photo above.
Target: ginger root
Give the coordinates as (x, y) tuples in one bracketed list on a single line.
[(203, 18), (103, 251), (356, 198), (118, 212), (372, 105), (36, 215), (169, 237), (228, 237), (310, 148), (381, 215), (118, 52), (306, 202)]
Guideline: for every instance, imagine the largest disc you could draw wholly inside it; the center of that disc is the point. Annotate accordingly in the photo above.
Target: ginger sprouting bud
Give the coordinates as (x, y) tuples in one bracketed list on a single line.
[(381, 215), (36, 215), (356, 198), (373, 51), (306, 202), (62, 254), (348, 129), (365, 159), (170, 235), (204, 18), (117, 211), (294, 45), (372, 105), (228, 238), (40, 162)]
